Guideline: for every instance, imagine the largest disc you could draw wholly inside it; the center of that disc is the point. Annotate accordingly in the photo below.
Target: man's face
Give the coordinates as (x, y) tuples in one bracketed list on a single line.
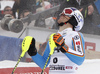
[(8, 11), (63, 18)]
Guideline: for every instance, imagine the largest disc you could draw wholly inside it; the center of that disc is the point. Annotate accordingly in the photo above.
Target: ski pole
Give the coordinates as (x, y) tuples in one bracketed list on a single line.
[(25, 46), (52, 46)]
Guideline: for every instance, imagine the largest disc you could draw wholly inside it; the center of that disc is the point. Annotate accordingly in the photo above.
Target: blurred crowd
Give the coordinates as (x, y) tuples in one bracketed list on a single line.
[(21, 9), (33, 6)]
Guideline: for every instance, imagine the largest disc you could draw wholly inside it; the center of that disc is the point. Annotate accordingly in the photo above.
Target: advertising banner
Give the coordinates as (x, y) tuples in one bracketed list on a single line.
[(24, 70)]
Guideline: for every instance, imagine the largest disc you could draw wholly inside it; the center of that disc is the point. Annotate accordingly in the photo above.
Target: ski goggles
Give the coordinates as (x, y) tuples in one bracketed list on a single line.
[(67, 12)]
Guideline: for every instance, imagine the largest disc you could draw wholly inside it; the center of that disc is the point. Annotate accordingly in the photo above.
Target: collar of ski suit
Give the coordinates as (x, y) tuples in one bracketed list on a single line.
[(65, 30)]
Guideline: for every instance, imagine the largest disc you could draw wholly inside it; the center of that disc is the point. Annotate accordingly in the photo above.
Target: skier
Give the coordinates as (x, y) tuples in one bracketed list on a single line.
[(70, 51)]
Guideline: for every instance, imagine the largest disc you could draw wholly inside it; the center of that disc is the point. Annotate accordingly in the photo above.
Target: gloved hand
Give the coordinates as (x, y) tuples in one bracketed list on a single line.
[(59, 41), (32, 49)]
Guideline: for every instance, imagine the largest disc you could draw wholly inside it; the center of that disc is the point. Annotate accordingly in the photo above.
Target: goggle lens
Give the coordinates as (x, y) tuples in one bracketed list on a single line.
[(68, 11)]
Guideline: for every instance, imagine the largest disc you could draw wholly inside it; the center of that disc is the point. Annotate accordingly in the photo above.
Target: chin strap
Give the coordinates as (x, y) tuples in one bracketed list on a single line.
[(72, 21), (61, 24)]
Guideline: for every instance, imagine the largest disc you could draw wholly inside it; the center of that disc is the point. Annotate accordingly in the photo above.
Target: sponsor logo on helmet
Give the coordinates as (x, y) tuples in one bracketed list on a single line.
[(73, 8)]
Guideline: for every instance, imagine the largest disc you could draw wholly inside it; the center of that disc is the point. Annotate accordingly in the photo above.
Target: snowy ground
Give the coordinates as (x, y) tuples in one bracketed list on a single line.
[(89, 66)]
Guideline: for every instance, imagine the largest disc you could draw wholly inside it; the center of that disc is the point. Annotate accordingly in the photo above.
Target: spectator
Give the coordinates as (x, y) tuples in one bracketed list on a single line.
[(8, 10), (5, 8), (46, 4), (24, 13), (91, 20), (21, 5)]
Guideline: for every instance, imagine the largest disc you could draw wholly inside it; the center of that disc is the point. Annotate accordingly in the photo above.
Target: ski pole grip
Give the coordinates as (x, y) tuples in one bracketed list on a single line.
[(52, 43), (26, 44)]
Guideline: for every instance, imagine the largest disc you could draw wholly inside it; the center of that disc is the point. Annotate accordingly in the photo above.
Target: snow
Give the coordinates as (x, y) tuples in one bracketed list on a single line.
[(11, 64), (88, 67)]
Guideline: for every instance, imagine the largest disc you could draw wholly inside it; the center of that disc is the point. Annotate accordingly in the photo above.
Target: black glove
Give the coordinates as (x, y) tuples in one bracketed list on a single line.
[(59, 41), (32, 49)]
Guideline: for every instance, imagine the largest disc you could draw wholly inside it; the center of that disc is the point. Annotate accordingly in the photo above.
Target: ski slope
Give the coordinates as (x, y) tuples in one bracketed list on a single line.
[(88, 67)]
